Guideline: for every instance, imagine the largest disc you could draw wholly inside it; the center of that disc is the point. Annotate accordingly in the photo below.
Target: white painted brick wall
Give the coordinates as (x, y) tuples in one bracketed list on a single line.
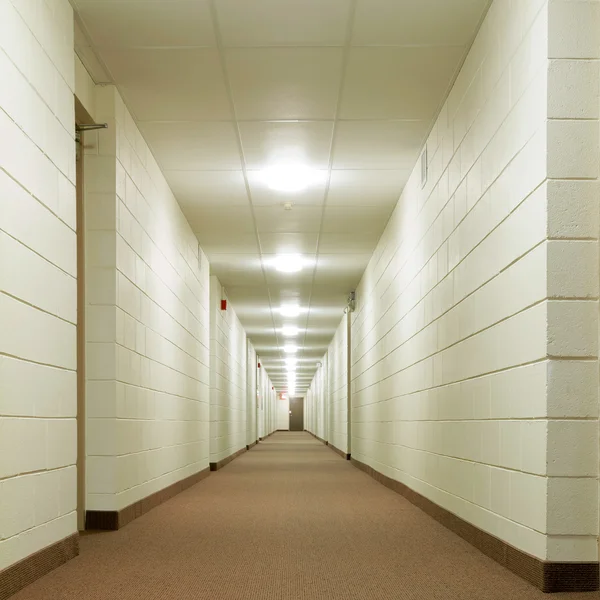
[(573, 272), (316, 405), (474, 343), (38, 287), (267, 410), (251, 396), (228, 384), (337, 388), (147, 321)]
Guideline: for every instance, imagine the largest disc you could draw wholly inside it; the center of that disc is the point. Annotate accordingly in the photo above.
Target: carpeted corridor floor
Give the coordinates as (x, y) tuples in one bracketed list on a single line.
[(288, 520)]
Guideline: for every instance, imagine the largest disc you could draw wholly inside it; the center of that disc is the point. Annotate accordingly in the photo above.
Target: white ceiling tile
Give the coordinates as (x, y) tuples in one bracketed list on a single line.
[(237, 269), (174, 84), (407, 22), (340, 243), (343, 219), (378, 144), (366, 188), (263, 195), (173, 23), (269, 143), (285, 83), (208, 188), (277, 23), (343, 269), (229, 277), (223, 220), (285, 91), (250, 297), (301, 219), (318, 319), (217, 242), (398, 83), (193, 146), (276, 278), (288, 243)]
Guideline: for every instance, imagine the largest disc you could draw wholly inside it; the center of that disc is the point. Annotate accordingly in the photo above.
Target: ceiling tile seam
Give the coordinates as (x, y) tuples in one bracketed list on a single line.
[(227, 82), (251, 170), (301, 121), (165, 48), (89, 38), (344, 67), (438, 111)]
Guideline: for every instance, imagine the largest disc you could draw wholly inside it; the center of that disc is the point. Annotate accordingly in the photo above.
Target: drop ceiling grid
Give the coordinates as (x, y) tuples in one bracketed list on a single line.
[(278, 342), (371, 134)]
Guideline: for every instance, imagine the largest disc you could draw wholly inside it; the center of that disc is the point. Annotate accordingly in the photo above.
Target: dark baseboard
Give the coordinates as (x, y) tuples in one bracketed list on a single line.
[(215, 466), (111, 520), (343, 454), (26, 571), (248, 446), (546, 576)]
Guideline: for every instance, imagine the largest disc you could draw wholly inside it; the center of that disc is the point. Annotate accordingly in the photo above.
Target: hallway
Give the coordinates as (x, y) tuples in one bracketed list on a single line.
[(288, 520)]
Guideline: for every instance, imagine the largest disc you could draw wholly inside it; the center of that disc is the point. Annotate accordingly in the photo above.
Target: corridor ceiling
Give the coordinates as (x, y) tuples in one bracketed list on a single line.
[(225, 90)]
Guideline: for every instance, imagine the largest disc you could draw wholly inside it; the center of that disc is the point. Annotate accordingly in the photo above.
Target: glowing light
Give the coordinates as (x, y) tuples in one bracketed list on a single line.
[(290, 331), (291, 178), (289, 310), (290, 349), (288, 263)]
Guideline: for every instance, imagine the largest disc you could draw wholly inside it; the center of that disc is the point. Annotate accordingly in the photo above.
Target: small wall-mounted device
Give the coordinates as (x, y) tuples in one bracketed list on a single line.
[(223, 304), (351, 301)]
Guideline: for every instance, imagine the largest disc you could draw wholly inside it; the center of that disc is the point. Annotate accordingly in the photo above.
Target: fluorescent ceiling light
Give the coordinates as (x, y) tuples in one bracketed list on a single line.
[(291, 178), (288, 263), (289, 310), (290, 349), (290, 331)]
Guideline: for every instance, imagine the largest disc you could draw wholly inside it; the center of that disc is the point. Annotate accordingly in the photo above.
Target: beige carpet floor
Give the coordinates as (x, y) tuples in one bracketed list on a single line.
[(288, 520)]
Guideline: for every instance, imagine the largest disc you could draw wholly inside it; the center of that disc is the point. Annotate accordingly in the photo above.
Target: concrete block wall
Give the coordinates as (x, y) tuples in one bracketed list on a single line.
[(38, 286), (572, 192), (316, 403), (309, 421), (147, 319), (474, 342), (337, 388), (267, 412), (251, 395), (228, 384)]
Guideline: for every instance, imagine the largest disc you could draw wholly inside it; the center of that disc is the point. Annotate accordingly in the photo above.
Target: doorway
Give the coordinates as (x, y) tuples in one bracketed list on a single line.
[(296, 414), (80, 118)]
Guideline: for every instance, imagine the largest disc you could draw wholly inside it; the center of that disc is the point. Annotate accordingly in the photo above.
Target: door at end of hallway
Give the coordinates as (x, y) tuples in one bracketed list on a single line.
[(296, 414)]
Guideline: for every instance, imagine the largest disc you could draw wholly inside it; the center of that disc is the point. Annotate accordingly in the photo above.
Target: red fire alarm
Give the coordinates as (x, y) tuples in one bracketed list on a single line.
[(223, 304), (259, 365)]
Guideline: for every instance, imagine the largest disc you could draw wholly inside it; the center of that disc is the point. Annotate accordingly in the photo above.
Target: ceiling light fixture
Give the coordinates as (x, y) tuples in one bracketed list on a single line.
[(290, 349), (289, 310), (290, 331), (289, 263), (291, 178)]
